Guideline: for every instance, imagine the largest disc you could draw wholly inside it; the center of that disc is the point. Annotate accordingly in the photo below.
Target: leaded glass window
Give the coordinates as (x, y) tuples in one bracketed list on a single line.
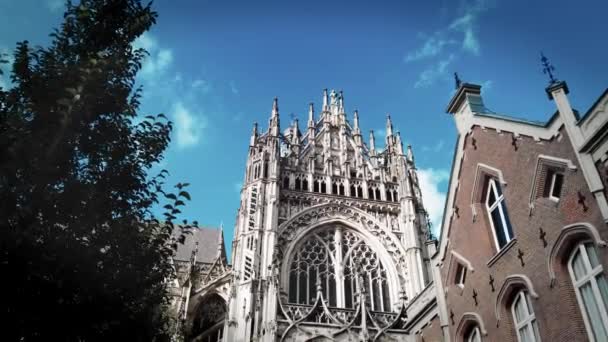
[(343, 264), (591, 289)]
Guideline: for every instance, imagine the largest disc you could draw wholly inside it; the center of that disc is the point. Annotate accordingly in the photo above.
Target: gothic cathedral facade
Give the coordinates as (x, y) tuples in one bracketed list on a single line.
[(330, 237)]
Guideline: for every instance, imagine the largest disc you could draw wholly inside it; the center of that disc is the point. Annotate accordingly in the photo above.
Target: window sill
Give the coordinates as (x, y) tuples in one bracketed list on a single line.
[(502, 252)]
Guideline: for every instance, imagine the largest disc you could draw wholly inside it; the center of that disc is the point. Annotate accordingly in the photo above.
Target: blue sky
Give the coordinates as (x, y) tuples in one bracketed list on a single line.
[(215, 67)]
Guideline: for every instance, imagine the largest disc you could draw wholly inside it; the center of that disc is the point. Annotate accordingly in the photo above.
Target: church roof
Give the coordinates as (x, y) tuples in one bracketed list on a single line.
[(207, 238)]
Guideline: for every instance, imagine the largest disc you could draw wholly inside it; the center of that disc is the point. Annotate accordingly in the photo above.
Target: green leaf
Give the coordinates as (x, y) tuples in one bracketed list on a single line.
[(184, 194)]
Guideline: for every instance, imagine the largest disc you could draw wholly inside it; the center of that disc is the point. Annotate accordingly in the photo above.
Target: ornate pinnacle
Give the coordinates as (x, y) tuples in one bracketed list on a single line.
[(311, 115), (275, 107)]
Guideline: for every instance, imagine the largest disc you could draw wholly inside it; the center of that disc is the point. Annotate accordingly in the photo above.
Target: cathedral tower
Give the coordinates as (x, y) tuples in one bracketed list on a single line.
[(330, 234)]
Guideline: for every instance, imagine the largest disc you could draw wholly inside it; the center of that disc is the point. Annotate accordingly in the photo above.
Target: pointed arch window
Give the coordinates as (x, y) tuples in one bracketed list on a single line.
[(524, 318), (343, 264), (474, 335), (497, 214), (591, 287)]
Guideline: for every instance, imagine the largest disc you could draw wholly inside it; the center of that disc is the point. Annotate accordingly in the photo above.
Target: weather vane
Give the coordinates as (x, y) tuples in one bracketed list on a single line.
[(548, 68), (457, 79)]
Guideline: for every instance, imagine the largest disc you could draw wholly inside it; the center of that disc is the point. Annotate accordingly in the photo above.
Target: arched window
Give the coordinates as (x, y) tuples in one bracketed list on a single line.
[(524, 318), (286, 183), (208, 324), (497, 214), (316, 262), (305, 184), (474, 335), (591, 289), (298, 183)]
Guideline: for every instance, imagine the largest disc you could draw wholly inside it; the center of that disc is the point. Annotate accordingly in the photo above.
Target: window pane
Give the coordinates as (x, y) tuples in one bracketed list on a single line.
[(519, 309), (557, 185), (491, 195), (592, 253), (507, 221), (498, 189), (525, 334), (578, 266), (603, 286), (593, 313), (536, 334), (498, 227)]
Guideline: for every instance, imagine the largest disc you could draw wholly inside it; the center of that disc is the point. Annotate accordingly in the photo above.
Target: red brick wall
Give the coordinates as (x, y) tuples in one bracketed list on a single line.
[(431, 332), (556, 308)]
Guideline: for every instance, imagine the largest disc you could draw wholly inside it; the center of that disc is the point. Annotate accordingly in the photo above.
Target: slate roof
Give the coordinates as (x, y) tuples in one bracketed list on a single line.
[(207, 238)]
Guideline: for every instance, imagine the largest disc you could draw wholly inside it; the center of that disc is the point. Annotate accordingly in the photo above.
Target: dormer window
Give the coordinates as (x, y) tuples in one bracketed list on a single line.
[(461, 275), (555, 182), (497, 214)]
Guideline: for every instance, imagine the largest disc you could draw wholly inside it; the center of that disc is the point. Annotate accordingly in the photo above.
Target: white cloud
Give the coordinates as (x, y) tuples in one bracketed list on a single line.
[(203, 86), (159, 59), (188, 126), (433, 198), (233, 88), (466, 25), (487, 85), (436, 148), (55, 5), (428, 76), (433, 45)]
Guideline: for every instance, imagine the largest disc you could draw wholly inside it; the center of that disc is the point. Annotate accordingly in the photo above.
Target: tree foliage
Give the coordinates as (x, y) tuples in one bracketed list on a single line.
[(83, 257)]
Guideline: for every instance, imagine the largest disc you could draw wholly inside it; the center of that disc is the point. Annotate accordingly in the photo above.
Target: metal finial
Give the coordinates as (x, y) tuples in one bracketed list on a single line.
[(457, 80), (548, 68)]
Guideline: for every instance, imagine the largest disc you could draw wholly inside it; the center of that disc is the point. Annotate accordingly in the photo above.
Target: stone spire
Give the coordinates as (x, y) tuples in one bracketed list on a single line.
[(254, 134), (399, 144), (295, 138), (389, 126), (325, 100), (410, 155), (220, 241), (341, 102), (311, 115), (372, 143), (356, 122), (274, 118)]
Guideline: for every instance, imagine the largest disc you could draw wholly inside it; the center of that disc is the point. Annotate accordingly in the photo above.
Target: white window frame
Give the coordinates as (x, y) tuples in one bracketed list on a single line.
[(588, 277), (474, 335), (460, 278), (528, 320), (500, 206), (554, 174)]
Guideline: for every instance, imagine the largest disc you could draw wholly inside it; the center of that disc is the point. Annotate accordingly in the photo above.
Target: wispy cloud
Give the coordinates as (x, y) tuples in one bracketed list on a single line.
[(203, 86), (159, 60), (446, 43), (433, 45), (466, 25), (55, 5), (431, 180), (435, 148), (434, 72), (487, 85), (188, 126), (233, 88)]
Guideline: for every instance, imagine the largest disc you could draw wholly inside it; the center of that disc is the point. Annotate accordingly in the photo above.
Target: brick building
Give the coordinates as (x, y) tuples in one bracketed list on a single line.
[(522, 253)]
